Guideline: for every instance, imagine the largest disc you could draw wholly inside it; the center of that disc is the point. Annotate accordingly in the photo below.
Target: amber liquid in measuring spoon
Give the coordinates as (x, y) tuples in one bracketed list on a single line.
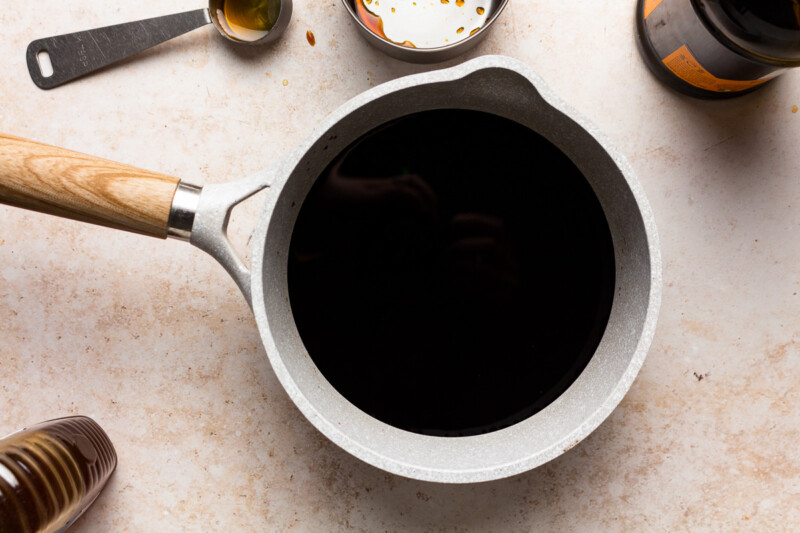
[(248, 20), (423, 23)]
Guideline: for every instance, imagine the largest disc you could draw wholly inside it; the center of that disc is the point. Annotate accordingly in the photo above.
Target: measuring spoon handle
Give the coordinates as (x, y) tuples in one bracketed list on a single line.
[(76, 54)]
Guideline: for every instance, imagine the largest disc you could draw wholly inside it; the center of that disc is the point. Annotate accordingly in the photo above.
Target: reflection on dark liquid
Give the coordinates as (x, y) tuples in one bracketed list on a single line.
[(451, 273)]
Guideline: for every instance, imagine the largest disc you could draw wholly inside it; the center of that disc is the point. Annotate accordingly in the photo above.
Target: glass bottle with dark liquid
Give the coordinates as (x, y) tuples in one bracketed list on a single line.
[(451, 273), (51, 473), (718, 48)]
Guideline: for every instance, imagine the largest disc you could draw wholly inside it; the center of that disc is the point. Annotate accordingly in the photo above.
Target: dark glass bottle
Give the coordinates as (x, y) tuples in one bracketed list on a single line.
[(718, 48), (51, 473)]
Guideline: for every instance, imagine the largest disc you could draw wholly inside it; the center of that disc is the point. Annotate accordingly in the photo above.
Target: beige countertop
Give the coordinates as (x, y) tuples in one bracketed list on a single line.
[(153, 340)]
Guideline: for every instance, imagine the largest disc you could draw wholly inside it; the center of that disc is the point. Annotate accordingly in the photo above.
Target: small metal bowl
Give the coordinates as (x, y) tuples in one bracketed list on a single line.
[(427, 55)]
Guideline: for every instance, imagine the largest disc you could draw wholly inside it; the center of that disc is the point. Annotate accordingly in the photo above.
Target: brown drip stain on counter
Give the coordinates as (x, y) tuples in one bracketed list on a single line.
[(310, 38)]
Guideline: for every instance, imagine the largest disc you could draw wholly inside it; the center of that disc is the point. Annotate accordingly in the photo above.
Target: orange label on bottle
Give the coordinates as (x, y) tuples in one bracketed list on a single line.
[(649, 6), (684, 65)]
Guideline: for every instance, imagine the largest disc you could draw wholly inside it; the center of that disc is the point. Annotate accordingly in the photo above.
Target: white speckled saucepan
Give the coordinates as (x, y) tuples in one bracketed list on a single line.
[(56, 181)]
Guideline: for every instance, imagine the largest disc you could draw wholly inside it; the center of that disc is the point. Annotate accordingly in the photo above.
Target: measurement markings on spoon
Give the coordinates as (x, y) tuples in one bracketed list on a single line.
[(82, 57)]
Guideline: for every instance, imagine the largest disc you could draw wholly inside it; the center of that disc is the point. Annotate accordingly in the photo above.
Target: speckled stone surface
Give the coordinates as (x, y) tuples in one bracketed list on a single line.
[(154, 341)]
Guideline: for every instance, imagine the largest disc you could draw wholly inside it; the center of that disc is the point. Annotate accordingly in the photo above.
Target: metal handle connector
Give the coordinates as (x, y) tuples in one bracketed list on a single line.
[(181, 214)]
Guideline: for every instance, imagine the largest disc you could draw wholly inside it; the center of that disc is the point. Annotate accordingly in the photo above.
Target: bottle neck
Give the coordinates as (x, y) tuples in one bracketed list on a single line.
[(767, 32)]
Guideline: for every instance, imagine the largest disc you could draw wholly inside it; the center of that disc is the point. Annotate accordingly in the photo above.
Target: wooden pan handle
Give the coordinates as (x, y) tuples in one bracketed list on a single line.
[(81, 187)]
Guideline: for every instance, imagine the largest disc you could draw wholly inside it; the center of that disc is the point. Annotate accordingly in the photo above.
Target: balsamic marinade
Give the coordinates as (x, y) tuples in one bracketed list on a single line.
[(451, 273)]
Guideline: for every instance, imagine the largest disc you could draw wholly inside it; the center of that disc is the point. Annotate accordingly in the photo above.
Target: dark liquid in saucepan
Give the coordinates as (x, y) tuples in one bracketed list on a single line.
[(451, 273)]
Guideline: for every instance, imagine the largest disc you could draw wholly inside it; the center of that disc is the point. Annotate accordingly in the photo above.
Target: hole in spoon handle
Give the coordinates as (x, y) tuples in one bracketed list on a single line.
[(76, 54), (44, 63)]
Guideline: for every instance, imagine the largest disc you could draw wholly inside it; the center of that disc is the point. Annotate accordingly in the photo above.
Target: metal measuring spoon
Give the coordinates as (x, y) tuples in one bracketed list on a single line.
[(53, 61)]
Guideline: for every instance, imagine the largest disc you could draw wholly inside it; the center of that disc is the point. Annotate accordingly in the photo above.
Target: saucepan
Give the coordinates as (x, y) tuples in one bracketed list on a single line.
[(77, 186)]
